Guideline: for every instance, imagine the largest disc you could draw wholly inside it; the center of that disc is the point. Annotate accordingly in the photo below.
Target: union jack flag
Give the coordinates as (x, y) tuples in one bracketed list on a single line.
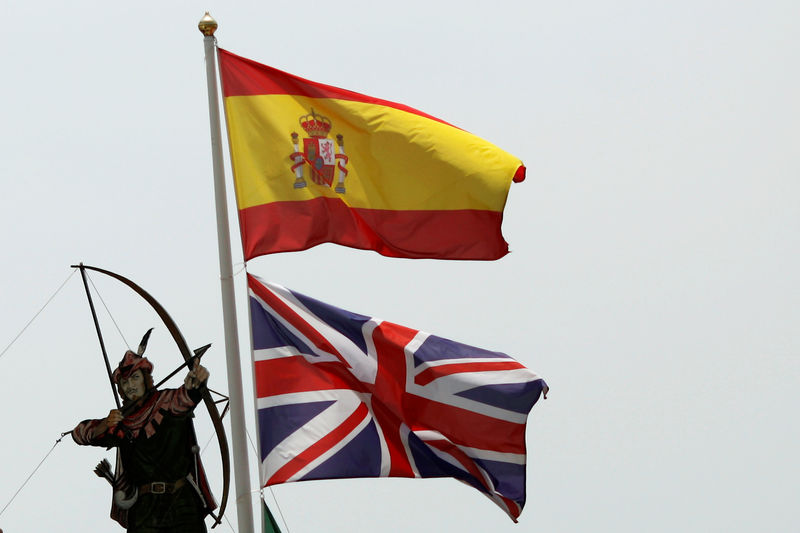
[(343, 395)]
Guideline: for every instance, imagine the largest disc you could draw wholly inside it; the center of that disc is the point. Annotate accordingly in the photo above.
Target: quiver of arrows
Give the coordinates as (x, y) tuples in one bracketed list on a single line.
[(103, 470)]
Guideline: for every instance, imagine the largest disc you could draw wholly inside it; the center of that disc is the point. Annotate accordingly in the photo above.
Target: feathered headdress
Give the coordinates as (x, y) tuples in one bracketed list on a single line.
[(133, 361)]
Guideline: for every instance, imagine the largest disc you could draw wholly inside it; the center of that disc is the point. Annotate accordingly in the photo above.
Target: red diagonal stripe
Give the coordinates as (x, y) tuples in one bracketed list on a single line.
[(272, 300), (469, 465), (463, 459), (318, 448), (435, 372)]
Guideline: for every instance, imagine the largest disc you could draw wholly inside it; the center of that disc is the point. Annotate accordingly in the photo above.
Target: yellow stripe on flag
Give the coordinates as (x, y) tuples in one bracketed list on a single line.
[(396, 160)]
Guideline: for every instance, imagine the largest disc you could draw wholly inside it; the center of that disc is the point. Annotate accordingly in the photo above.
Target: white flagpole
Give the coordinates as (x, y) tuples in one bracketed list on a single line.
[(241, 471)]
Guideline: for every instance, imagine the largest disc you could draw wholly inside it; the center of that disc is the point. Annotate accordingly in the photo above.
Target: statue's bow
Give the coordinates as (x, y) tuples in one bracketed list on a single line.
[(187, 354)]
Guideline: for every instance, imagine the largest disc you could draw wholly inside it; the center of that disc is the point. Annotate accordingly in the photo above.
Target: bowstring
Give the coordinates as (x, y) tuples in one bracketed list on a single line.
[(97, 292)]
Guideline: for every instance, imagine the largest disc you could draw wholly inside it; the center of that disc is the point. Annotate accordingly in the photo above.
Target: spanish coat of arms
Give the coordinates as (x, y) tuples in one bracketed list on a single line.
[(319, 153)]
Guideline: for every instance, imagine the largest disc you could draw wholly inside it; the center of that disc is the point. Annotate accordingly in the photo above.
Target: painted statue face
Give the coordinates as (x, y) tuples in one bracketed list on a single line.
[(133, 386)]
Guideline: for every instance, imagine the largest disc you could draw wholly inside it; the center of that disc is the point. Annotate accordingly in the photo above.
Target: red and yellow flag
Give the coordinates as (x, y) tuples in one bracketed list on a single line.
[(314, 163)]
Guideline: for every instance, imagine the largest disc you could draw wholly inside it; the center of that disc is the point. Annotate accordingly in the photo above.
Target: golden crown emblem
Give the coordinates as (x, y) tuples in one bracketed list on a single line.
[(316, 125)]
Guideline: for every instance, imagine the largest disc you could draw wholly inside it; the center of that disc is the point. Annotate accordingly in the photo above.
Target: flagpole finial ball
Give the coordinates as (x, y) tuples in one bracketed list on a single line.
[(207, 25)]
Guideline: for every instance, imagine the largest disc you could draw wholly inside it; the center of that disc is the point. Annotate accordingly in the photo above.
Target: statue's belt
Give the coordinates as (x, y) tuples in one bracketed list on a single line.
[(161, 487)]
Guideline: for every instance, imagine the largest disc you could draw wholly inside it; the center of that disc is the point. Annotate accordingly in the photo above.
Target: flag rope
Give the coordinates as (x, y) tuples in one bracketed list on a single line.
[(280, 511), (36, 315), (34, 472), (271, 491)]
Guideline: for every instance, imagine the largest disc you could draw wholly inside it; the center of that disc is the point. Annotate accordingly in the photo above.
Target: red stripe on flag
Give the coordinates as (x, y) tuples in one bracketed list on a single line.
[(387, 398), (286, 375), (469, 465), (463, 459), (465, 427), (245, 77), (414, 234), (436, 372), (318, 448)]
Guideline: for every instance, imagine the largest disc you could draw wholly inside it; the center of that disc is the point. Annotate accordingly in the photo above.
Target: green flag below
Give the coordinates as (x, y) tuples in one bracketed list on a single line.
[(270, 525)]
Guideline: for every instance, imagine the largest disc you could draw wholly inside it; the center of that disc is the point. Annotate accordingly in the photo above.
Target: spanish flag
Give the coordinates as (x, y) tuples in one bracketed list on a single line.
[(314, 163)]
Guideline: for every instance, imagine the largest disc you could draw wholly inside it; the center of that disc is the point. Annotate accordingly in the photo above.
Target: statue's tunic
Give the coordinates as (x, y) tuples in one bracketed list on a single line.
[(156, 456)]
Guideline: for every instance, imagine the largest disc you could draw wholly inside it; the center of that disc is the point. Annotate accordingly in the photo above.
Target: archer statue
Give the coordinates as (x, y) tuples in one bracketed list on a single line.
[(159, 483)]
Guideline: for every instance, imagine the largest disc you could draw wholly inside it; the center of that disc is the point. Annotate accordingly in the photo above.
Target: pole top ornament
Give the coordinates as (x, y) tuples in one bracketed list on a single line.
[(207, 25)]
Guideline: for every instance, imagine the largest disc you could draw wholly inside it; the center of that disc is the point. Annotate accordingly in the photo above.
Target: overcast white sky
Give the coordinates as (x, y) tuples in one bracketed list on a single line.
[(654, 278)]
